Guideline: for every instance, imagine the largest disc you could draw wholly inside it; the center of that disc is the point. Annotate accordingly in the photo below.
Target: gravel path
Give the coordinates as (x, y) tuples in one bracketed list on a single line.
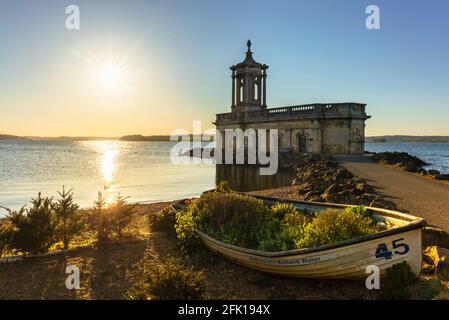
[(420, 196)]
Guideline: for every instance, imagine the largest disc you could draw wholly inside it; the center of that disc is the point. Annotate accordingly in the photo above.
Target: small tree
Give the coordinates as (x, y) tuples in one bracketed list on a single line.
[(69, 217), (32, 230), (100, 219), (121, 214), (5, 238)]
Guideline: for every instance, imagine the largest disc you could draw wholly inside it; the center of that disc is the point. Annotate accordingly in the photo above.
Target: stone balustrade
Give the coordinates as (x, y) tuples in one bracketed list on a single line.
[(312, 111)]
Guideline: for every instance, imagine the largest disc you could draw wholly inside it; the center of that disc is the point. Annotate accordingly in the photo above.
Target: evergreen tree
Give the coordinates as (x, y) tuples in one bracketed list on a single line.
[(100, 219), (5, 238), (33, 229), (122, 213), (69, 217)]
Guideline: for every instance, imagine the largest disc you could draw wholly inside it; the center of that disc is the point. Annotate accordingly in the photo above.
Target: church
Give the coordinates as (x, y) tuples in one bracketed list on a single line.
[(319, 128)]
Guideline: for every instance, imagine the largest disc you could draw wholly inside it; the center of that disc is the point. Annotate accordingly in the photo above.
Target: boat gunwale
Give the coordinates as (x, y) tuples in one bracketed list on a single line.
[(414, 223)]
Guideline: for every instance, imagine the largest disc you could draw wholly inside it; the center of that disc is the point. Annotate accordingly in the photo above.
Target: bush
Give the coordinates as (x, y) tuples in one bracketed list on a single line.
[(281, 209), (246, 221), (229, 216), (121, 214), (396, 282), (70, 220), (332, 225), (164, 220), (171, 281), (33, 230)]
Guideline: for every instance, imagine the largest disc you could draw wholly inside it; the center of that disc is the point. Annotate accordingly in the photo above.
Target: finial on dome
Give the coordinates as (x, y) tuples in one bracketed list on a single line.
[(249, 45)]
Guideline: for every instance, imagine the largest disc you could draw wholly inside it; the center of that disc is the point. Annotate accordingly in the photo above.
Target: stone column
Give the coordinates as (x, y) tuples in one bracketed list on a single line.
[(264, 78), (233, 90)]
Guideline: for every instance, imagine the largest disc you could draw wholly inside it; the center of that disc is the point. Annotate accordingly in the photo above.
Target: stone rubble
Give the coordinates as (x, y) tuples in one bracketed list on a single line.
[(324, 180)]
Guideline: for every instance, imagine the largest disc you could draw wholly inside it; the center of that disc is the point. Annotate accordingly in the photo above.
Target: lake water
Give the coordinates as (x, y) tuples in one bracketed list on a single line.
[(435, 153), (141, 170)]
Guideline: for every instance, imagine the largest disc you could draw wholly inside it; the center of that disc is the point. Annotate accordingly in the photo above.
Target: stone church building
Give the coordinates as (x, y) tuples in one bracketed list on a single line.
[(329, 128)]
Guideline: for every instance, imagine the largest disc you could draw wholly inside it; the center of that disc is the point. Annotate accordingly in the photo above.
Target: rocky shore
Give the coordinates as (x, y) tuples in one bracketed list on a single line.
[(324, 180), (408, 163)]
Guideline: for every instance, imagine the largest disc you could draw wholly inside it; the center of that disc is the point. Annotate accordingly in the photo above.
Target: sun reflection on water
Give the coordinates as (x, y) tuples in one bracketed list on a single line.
[(108, 152)]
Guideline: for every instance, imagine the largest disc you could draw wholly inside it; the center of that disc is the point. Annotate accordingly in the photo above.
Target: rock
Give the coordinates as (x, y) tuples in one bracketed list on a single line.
[(411, 167), (400, 165), (423, 172), (381, 226), (435, 237), (343, 174), (334, 188), (442, 269), (437, 258), (433, 172), (400, 159), (361, 186), (441, 177)]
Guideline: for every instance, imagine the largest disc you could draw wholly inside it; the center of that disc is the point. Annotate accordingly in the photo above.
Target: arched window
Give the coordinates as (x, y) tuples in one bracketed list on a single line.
[(256, 88), (241, 90), (302, 143)]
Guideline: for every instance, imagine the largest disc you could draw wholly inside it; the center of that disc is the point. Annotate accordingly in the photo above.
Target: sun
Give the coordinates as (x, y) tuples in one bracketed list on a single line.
[(110, 76)]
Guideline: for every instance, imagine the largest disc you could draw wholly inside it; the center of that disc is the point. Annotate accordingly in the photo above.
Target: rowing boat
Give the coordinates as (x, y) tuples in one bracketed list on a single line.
[(400, 241)]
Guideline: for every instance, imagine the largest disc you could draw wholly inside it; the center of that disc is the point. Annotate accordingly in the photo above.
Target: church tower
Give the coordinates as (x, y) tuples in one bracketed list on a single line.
[(249, 80)]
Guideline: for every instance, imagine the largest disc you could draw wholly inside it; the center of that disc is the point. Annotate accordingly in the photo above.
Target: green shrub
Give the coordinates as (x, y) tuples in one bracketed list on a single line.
[(332, 225), (231, 216), (33, 229), (121, 214), (222, 187), (246, 221), (69, 219), (395, 285), (172, 281), (280, 209), (164, 220)]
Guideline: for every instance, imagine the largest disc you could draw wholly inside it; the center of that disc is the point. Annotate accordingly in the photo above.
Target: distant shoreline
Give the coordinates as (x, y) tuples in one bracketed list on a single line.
[(135, 137), (403, 138)]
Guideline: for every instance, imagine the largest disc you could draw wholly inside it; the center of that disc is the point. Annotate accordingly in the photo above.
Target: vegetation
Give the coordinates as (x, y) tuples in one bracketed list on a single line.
[(121, 214), (332, 225), (33, 230), (245, 221), (100, 219), (170, 280), (4, 238), (164, 220), (70, 220), (47, 224), (396, 284)]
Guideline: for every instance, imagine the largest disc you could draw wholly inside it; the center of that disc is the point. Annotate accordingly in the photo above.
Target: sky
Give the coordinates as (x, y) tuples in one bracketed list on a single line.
[(170, 62)]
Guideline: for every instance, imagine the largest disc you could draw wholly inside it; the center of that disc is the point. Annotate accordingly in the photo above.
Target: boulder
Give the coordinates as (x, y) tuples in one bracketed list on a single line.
[(436, 258), (423, 172), (433, 172), (343, 174), (433, 236), (361, 186), (411, 167), (441, 177), (442, 269)]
